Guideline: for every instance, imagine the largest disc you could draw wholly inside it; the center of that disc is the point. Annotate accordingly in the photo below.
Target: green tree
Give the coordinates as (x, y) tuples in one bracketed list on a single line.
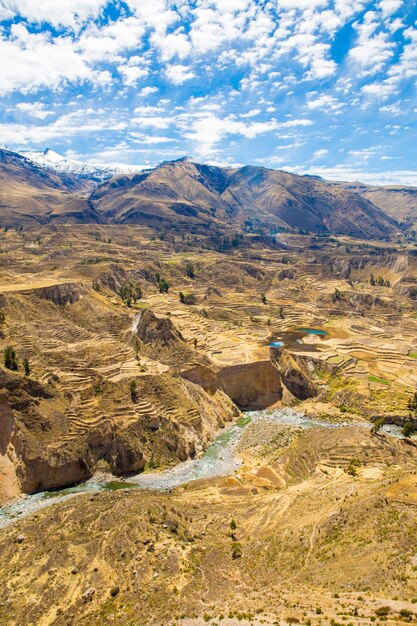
[(133, 390), (2, 317), (408, 429), (26, 366), (182, 297), (336, 295), (10, 360), (163, 285), (263, 298), (190, 270), (377, 425), (412, 403), (372, 280), (281, 312)]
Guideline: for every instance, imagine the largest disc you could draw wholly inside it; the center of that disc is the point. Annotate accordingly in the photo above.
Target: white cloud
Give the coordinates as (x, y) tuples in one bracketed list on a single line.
[(55, 12), (132, 73), (252, 113), (342, 172), (319, 154), (147, 91), (178, 74), (34, 109), (373, 49), (388, 7), (292, 123), (302, 4), (207, 131), (323, 102), (174, 44)]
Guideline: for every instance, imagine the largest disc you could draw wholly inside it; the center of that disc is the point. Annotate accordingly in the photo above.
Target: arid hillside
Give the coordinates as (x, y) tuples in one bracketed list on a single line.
[(254, 198), (189, 197), (399, 202), (32, 195)]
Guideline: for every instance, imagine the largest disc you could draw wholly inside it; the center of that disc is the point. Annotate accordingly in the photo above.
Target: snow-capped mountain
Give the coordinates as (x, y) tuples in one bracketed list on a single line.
[(49, 159)]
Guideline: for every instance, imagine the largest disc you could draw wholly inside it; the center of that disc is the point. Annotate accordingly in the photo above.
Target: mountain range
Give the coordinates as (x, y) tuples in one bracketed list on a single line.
[(43, 187)]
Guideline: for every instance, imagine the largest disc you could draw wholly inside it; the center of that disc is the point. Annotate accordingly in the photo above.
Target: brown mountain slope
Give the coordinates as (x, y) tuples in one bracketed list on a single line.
[(30, 194), (173, 192), (189, 194), (397, 201)]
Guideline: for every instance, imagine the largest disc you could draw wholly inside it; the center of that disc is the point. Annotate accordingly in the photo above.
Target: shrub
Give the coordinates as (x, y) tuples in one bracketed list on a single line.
[(236, 550), (407, 430), (383, 611), (10, 360), (163, 285), (133, 390), (189, 270), (26, 366)]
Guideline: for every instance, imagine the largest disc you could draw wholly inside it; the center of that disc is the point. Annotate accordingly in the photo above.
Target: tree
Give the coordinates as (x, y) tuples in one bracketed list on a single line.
[(412, 403), (336, 295), (133, 390), (281, 312), (377, 425), (263, 298), (188, 298), (2, 317), (190, 270), (163, 285), (10, 360), (372, 280), (408, 429), (26, 366)]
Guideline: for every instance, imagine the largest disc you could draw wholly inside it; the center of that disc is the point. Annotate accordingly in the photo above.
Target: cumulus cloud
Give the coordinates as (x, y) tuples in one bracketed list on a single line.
[(178, 74), (257, 69), (324, 102), (57, 13), (34, 109)]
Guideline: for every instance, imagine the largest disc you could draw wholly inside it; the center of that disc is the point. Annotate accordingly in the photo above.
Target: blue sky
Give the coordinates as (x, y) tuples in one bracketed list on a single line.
[(311, 86)]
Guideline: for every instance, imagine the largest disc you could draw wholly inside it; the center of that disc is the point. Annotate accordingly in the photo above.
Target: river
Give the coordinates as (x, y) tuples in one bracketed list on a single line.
[(219, 459)]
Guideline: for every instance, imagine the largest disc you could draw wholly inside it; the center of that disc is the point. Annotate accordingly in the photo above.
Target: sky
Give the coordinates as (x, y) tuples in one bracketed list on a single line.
[(325, 87)]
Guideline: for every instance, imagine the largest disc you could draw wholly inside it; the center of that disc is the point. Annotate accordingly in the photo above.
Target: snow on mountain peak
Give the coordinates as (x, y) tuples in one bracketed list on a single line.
[(52, 160)]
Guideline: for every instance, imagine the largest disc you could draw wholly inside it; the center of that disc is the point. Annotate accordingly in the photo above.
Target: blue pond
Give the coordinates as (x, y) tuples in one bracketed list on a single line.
[(276, 344), (312, 331)]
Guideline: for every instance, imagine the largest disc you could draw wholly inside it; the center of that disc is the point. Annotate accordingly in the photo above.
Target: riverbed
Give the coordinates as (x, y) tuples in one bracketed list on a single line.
[(220, 459)]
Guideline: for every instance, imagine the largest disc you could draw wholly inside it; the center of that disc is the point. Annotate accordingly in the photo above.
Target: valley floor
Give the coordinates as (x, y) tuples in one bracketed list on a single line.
[(317, 526)]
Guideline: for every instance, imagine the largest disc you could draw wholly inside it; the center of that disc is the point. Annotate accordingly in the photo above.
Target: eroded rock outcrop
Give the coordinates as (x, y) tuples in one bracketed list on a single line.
[(257, 385), (43, 448), (62, 294), (160, 340)]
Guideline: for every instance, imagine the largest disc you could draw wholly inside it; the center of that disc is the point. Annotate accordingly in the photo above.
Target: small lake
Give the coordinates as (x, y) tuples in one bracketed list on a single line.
[(293, 339)]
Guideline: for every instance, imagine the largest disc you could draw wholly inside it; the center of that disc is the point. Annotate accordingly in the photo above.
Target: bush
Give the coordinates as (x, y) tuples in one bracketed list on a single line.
[(163, 285), (383, 611), (133, 390), (236, 550), (26, 366), (10, 360), (407, 430), (187, 298), (189, 270)]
